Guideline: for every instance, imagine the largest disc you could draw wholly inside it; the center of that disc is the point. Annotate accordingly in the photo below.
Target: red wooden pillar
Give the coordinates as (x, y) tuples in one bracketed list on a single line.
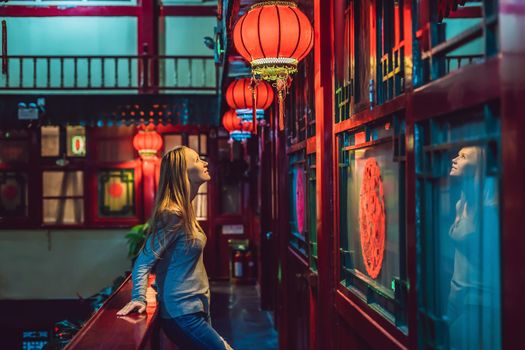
[(148, 185), (148, 43), (512, 75), (323, 56)]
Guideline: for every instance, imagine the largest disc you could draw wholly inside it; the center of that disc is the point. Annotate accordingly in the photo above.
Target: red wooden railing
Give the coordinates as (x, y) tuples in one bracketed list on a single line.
[(104, 330), (142, 73)]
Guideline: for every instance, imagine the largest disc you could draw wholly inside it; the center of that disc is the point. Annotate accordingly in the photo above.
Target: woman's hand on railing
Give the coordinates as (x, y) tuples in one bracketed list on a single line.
[(131, 306)]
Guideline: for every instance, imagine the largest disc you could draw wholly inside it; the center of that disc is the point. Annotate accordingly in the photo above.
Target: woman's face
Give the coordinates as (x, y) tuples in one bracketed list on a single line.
[(197, 168), (465, 162)]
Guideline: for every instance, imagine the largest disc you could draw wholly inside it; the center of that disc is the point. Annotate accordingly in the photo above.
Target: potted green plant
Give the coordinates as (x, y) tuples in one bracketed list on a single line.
[(136, 237)]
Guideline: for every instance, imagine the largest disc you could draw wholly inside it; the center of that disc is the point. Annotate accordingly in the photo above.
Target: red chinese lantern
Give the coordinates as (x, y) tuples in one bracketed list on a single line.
[(241, 95), (231, 121), (239, 130), (147, 143), (274, 36)]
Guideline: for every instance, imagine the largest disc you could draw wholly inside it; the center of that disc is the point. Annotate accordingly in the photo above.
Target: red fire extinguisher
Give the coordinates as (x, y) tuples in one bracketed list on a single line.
[(249, 263), (238, 265)]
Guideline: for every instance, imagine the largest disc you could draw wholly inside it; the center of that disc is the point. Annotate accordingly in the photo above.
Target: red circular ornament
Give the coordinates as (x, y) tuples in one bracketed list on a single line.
[(372, 218), (299, 199), (115, 190)]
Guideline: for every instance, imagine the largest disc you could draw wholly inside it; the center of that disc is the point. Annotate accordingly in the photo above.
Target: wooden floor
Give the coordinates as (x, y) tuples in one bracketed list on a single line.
[(236, 315)]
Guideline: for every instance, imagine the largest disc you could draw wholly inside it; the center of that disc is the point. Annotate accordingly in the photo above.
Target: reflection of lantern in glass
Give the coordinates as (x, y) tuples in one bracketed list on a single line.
[(147, 143), (274, 36), (241, 94)]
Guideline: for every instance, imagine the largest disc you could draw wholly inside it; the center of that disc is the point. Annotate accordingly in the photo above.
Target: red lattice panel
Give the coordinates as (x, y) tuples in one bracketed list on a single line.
[(372, 218)]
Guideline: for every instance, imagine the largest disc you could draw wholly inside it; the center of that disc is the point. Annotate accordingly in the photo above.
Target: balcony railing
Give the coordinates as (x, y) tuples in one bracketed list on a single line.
[(142, 73)]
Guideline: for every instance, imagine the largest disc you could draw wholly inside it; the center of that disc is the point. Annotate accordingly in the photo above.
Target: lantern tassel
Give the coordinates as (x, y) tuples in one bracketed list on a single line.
[(281, 84), (253, 87), (281, 111)]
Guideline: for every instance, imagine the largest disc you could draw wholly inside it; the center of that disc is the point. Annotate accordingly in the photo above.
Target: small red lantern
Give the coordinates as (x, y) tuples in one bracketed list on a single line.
[(147, 143), (241, 95), (239, 130), (274, 36), (231, 121)]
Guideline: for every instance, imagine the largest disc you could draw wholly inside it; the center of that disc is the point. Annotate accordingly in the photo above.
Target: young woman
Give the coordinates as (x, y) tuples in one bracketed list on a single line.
[(174, 248)]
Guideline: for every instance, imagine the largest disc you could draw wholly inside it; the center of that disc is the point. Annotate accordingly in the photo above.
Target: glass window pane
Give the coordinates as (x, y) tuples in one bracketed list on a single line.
[(62, 183), (224, 149), (200, 202), (76, 141), (116, 193), (204, 148), (312, 212), (298, 202), (459, 232), (13, 194), (231, 198), (63, 211), (172, 141), (375, 165), (193, 143), (50, 142), (371, 186)]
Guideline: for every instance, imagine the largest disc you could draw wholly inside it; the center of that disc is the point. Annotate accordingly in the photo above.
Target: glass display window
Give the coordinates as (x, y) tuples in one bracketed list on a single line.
[(458, 232), (372, 218), (298, 202), (312, 211)]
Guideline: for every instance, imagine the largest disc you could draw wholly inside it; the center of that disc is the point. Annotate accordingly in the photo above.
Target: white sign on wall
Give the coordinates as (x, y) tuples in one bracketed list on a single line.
[(232, 229), (27, 113)]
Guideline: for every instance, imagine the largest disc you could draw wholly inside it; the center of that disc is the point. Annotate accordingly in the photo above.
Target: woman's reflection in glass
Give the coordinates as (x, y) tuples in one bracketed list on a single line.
[(473, 304)]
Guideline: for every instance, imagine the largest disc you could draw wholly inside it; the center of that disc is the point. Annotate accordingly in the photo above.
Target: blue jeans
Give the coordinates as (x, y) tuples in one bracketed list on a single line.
[(192, 332)]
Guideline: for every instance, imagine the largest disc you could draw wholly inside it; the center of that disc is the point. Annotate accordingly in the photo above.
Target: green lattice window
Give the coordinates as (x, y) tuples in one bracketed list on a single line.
[(372, 218), (116, 193)]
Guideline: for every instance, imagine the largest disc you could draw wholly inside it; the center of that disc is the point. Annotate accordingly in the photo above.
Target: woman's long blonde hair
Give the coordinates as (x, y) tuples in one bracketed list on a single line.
[(173, 198)]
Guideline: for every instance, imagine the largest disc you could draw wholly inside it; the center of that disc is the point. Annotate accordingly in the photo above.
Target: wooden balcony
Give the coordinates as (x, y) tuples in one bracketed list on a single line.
[(143, 74)]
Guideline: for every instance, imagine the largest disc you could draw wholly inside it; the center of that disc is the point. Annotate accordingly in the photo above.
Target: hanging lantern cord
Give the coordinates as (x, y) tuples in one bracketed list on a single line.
[(253, 87), (282, 84)]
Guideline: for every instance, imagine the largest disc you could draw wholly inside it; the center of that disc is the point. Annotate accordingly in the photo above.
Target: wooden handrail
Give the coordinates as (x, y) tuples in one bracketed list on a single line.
[(104, 330)]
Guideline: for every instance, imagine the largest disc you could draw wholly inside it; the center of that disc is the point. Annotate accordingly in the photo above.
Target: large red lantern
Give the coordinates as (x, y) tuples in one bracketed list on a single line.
[(274, 36), (241, 95), (147, 143)]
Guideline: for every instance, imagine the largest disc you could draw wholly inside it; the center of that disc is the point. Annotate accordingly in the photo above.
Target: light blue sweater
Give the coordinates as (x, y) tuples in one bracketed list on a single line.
[(181, 280)]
